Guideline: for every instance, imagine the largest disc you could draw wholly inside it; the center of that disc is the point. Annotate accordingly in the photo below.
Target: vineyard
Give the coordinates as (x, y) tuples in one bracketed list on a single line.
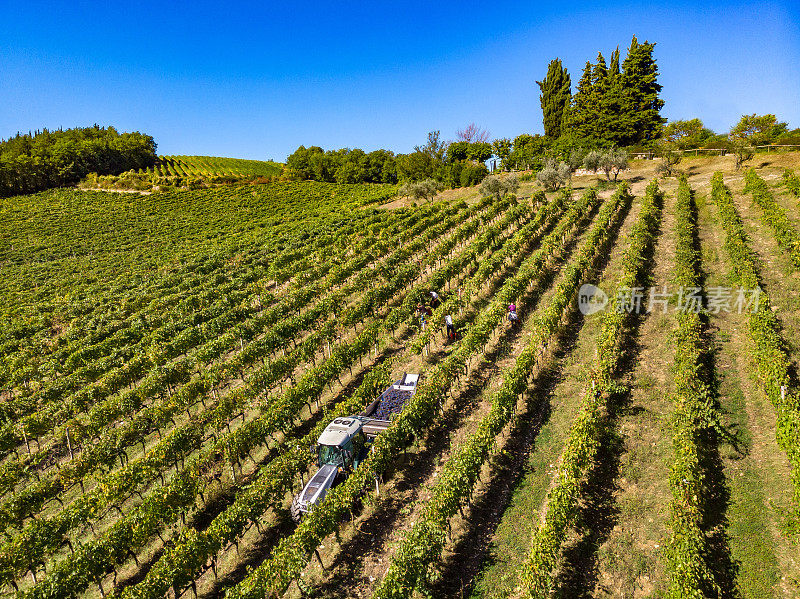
[(190, 172), (167, 360), (211, 166)]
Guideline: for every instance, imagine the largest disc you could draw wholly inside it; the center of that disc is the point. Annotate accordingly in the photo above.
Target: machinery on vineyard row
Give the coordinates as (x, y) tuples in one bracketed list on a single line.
[(345, 442)]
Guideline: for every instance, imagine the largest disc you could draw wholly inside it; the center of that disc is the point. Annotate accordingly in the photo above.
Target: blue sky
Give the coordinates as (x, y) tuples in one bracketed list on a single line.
[(255, 80)]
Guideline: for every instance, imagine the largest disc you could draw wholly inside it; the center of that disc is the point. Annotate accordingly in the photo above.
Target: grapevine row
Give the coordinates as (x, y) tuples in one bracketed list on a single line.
[(43, 535), (262, 380), (216, 345), (774, 368), (484, 272), (93, 559), (192, 550), (188, 325), (279, 237), (774, 216), (694, 415), (292, 553), (422, 547), (561, 504), (791, 182)]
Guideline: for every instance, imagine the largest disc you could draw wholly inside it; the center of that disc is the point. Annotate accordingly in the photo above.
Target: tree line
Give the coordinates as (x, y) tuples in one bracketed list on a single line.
[(36, 161), (454, 164), (614, 104), (617, 104)]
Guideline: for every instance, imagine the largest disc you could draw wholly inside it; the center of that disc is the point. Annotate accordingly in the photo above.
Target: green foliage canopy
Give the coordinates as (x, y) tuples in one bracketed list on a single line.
[(556, 92), (758, 129), (46, 159), (617, 104)]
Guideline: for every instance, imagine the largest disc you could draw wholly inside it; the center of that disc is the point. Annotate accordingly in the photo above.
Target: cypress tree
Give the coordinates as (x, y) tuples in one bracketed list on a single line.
[(613, 66), (596, 116), (617, 103), (599, 71), (555, 97), (578, 115), (640, 101), (614, 116)]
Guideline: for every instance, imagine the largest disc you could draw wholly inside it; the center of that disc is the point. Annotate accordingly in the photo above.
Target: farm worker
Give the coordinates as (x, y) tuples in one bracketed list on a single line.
[(422, 312), (512, 307), (435, 301), (512, 315), (451, 329)]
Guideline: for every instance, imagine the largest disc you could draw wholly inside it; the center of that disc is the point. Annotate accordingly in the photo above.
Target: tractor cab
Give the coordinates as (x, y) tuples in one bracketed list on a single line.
[(341, 444), (340, 448)]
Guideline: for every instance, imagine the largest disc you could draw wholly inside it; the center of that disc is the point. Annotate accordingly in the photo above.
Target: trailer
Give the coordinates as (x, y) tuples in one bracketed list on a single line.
[(345, 443)]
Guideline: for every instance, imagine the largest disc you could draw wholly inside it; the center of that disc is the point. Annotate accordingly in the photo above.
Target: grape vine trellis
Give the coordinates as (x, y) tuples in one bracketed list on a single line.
[(561, 507)]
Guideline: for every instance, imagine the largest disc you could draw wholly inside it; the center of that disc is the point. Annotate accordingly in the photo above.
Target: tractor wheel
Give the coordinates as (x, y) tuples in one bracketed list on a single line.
[(297, 513)]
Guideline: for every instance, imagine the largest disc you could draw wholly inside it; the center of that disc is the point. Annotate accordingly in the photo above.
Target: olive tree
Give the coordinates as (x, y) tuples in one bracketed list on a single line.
[(591, 162), (549, 178), (554, 174), (421, 190), (670, 156), (498, 186), (742, 152), (613, 161)]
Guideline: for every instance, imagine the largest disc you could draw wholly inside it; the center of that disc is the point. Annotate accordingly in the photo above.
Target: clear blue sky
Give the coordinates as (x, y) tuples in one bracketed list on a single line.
[(255, 80)]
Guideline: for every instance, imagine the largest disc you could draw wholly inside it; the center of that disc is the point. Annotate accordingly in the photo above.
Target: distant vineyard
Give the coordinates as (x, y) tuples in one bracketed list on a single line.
[(212, 166), (187, 172)]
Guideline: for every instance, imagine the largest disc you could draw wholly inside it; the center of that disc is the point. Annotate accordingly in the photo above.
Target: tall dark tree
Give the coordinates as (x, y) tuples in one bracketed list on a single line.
[(555, 96), (599, 71), (617, 104), (641, 102), (578, 117), (616, 123), (596, 118), (613, 65)]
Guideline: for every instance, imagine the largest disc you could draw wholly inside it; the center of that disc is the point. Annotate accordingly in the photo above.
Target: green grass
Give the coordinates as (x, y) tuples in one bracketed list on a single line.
[(751, 543)]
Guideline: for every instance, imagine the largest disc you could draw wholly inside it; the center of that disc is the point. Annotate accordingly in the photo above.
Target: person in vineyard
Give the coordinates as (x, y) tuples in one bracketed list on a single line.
[(422, 311), (435, 301), (451, 329), (512, 315)]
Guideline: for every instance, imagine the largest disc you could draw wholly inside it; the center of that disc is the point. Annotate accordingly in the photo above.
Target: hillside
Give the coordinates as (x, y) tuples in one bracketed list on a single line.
[(190, 172), (212, 166), (167, 360)]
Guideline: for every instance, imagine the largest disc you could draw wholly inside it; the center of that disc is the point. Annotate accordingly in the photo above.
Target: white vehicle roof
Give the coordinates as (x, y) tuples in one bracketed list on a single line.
[(339, 431)]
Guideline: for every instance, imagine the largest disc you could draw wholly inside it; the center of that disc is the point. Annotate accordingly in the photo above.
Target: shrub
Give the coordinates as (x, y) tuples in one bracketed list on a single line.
[(591, 162), (421, 190), (499, 186), (472, 174), (614, 161), (549, 178), (670, 157)]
